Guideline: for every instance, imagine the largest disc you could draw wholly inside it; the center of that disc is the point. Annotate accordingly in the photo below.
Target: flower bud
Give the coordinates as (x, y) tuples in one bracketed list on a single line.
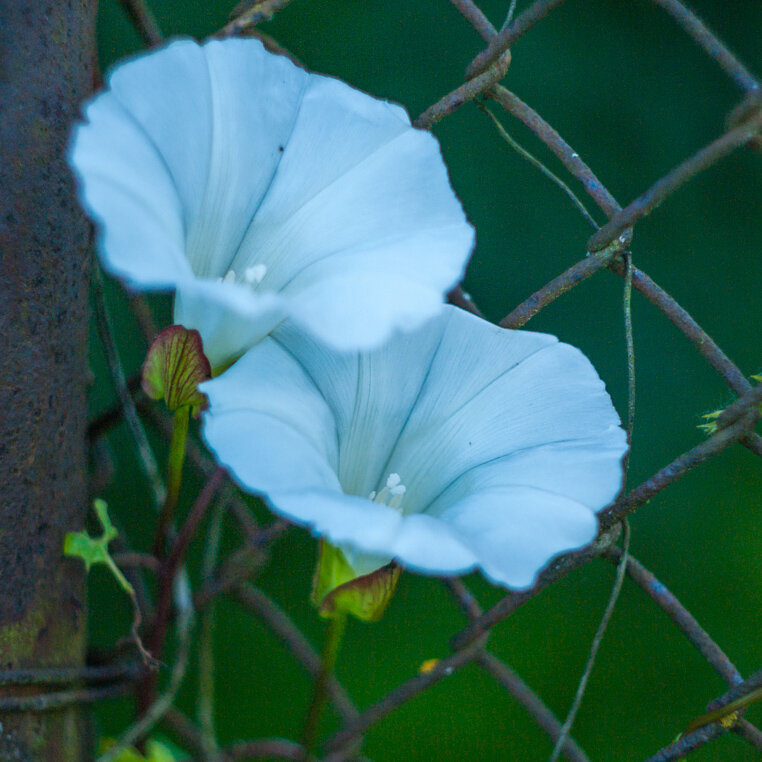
[(174, 367)]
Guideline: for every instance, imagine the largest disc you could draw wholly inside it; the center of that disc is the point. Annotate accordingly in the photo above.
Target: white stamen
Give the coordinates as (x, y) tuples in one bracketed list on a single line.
[(253, 275), (391, 494)]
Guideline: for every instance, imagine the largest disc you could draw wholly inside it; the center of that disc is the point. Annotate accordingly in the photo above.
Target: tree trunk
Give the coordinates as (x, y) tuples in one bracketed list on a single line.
[(46, 69)]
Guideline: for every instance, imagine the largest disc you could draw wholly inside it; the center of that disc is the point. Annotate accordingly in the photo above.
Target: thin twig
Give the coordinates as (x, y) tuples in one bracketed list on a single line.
[(512, 683), (560, 148), (665, 186), (158, 708), (205, 711), (597, 640), (170, 568), (106, 334), (102, 423), (710, 43), (671, 606), (525, 696), (537, 164), (207, 465)]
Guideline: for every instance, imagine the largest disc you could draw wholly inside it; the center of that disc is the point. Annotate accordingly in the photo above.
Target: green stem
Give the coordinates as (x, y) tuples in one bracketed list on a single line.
[(174, 477), (320, 691)]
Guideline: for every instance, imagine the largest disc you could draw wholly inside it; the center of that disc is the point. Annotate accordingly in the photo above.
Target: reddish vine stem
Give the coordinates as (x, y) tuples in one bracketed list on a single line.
[(167, 574)]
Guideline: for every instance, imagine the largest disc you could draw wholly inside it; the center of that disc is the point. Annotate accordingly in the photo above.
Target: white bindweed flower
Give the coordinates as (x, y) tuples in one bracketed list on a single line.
[(260, 192), (461, 445)]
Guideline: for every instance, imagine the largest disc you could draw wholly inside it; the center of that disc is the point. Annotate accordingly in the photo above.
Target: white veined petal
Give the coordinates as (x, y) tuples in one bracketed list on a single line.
[(167, 96), (534, 392), (126, 189), (337, 290), (371, 395), (270, 425), (516, 531), (223, 159), (502, 445)]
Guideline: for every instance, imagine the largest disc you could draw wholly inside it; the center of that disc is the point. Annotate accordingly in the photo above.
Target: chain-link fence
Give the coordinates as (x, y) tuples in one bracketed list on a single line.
[(228, 574)]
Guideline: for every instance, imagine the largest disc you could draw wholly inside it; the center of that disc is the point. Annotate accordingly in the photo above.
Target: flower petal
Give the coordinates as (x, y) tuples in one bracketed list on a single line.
[(274, 436), (229, 318), (506, 442), (202, 160), (534, 392), (126, 188), (516, 531)]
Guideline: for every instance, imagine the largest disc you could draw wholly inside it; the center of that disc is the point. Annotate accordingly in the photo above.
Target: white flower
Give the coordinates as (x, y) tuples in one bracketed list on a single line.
[(261, 192), (457, 446)]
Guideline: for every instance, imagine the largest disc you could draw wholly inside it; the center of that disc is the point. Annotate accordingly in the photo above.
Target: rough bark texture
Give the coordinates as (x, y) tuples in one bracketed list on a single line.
[(46, 65)]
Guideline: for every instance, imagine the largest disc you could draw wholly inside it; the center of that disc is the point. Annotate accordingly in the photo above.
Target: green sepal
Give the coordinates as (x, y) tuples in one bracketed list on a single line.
[(94, 550), (174, 367), (338, 590)]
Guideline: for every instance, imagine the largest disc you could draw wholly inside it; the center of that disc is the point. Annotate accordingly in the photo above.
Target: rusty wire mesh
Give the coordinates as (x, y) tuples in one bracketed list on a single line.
[(607, 248)]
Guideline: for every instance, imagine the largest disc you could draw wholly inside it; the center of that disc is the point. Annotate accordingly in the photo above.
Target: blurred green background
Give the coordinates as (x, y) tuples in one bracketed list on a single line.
[(633, 95)]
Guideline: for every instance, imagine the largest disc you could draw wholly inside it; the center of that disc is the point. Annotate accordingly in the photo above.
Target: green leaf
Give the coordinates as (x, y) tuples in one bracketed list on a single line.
[(94, 550), (155, 752)]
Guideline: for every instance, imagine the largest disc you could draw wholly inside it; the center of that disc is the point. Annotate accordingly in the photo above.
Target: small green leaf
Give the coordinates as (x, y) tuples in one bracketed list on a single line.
[(94, 550), (155, 752)]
